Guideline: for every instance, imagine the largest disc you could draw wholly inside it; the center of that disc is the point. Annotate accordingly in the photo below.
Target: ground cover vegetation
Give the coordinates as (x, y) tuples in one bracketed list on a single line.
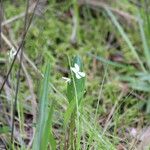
[(74, 74)]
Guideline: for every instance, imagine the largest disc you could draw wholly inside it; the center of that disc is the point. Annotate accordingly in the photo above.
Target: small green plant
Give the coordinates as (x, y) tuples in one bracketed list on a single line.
[(75, 92)]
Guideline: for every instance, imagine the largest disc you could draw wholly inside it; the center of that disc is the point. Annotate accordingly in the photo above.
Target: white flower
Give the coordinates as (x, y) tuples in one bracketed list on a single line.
[(66, 79), (12, 53), (76, 70)]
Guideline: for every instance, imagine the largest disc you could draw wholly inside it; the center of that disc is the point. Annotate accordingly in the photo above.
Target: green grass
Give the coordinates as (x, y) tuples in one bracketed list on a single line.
[(97, 111)]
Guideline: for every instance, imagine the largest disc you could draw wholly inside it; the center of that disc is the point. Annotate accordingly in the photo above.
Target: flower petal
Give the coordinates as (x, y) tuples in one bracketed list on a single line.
[(74, 69), (78, 76), (77, 67), (82, 74), (66, 79)]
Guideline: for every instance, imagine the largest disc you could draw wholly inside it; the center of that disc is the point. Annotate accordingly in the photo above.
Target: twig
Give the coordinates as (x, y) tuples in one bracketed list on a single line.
[(17, 16), (16, 98), (13, 19), (18, 75), (7, 41), (96, 3)]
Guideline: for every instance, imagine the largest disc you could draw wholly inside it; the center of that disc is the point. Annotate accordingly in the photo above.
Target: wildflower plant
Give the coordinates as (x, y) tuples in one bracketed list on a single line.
[(75, 93)]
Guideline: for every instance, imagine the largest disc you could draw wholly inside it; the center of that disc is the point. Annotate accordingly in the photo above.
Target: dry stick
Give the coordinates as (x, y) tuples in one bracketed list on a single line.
[(16, 97), (31, 9), (96, 3), (18, 77), (14, 18)]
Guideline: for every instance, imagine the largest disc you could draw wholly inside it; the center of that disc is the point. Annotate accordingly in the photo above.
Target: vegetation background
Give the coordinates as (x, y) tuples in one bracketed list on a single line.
[(41, 41)]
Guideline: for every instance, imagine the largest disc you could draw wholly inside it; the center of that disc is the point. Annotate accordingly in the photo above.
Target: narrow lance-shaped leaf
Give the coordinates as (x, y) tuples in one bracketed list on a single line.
[(43, 134)]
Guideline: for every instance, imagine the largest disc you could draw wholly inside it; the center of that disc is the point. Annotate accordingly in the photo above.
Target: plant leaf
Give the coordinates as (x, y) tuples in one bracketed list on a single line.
[(43, 131)]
